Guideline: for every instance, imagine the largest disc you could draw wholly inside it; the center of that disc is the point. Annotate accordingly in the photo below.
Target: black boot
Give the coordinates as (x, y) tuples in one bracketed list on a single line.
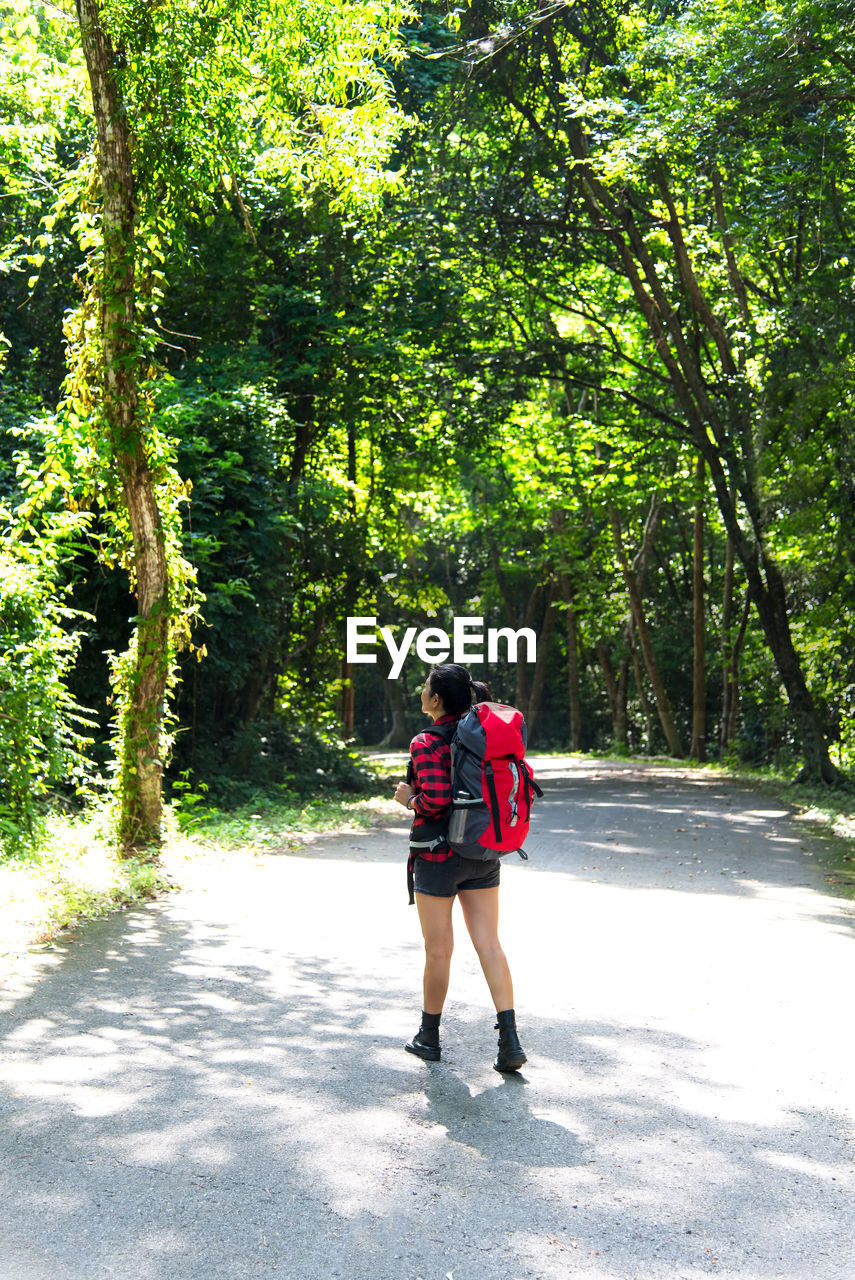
[(510, 1056), (425, 1043)]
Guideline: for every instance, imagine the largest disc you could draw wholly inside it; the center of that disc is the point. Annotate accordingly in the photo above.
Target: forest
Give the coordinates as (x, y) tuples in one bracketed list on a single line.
[(535, 312)]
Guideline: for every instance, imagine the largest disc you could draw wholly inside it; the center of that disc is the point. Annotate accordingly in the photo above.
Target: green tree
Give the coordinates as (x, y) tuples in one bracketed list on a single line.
[(658, 162), (187, 106)]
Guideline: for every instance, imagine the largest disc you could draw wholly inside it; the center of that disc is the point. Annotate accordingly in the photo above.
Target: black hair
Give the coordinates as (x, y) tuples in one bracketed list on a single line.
[(454, 686)]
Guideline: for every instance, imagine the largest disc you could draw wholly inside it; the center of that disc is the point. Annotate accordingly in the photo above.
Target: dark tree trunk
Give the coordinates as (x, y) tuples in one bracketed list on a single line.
[(396, 700), (616, 688), (767, 590), (523, 695), (646, 709), (543, 646), (621, 715), (733, 675), (399, 735), (573, 668), (347, 700), (728, 692), (660, 695), (523, 690), (252, 695), (699, 680)]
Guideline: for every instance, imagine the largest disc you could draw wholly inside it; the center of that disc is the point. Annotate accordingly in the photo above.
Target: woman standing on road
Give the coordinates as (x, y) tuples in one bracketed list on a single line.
[(438, 874)]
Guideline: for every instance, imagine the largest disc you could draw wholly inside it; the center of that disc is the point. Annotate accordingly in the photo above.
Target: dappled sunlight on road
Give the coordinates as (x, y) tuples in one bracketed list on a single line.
[(216, 1085)]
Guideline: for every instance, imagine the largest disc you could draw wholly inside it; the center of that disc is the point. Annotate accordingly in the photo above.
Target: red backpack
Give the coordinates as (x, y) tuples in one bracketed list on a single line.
[(492, 787)]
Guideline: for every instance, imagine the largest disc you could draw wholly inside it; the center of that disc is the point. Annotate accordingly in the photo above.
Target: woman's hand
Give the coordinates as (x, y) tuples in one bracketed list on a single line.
[(403, 793)]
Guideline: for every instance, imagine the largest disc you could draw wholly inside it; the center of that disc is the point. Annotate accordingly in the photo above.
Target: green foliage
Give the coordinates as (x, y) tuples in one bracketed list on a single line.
[(241, 98), (277, 757), (42, 730), (273, 821), (419, 394)]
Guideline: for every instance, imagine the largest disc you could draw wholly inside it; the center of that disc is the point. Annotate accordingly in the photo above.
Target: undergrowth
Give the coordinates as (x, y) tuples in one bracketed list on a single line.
[(274, 821), (830, 807), (71, 874)]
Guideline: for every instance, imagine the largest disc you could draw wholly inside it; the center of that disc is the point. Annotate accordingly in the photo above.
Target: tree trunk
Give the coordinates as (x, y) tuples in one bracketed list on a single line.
[(140, 763), (543, 647), (699, 682), (621, 715), (252, 695), (399, 734), (573, 668), (733, 707), (646, 708), (772, 608), (767, 590), (396, 699), (663, 705), (347, 700), (573, 680), (609, 678), (616, 687), (728, 692), (523, 695)]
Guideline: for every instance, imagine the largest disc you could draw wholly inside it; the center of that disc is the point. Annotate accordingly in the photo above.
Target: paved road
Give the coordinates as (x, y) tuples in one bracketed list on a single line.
[(214, 1087)]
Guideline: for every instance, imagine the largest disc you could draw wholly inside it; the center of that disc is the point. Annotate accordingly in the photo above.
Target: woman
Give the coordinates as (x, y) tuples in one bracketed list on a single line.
[(439, 874)]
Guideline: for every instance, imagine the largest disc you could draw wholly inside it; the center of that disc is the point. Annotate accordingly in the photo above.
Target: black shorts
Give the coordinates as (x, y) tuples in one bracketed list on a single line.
[(443, 879)]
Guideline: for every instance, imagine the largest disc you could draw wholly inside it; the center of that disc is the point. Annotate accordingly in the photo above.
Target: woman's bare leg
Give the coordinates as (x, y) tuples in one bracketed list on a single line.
[(438, 933), (481, 915)]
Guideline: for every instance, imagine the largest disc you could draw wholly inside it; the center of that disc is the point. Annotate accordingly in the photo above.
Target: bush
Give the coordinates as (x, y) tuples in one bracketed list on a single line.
[(42, 730), (275, 756)]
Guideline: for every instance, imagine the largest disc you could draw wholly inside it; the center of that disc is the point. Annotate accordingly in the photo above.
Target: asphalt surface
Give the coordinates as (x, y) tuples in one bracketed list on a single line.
[(214, 1087)]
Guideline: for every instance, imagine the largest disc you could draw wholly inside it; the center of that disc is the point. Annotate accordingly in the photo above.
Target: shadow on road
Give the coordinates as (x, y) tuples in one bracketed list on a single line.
[(202, 1097), (497, 1122), (652, 826)]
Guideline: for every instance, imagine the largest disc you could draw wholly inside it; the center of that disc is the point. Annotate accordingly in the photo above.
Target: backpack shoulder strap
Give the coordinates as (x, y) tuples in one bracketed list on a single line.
[(445, 732)]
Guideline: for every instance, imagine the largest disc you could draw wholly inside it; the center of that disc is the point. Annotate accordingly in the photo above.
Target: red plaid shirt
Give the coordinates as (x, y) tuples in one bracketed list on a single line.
[(431, 758)]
